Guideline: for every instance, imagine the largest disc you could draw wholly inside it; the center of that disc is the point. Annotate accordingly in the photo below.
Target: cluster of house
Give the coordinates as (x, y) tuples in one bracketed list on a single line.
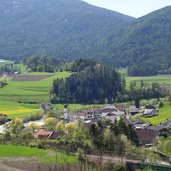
[(146, 132), (110, 112), (144, 111)]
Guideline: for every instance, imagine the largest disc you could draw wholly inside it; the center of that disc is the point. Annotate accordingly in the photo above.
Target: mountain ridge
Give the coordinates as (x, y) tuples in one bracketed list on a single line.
[(146, 38), (71, 29), (72, 33)]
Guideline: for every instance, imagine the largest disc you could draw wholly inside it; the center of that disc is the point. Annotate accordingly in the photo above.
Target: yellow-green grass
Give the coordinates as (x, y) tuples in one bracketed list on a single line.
[(42, 155), (162, 79), (163, 114), (14, 109)]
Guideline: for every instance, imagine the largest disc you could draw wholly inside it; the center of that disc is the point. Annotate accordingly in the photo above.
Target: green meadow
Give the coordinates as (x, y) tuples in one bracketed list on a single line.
[(42, 155), (30, 90), (26, 91), (161, 79)]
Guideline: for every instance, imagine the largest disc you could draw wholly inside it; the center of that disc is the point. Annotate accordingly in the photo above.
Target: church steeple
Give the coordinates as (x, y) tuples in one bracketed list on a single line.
[(65, 112)]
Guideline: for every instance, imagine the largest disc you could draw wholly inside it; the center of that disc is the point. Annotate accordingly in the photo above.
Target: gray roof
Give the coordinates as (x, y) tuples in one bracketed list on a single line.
[(133, 110), (154, 128)]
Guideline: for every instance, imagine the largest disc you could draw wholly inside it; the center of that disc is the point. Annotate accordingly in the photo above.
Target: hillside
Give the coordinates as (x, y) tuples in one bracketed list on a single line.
[(60, 28), (146, 39)]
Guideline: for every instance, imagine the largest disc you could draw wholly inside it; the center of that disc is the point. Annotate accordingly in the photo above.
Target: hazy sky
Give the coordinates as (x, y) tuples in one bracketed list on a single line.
[(135, 8)]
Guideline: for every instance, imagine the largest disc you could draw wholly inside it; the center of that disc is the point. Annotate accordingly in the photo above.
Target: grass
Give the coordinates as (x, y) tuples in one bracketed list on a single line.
[(163, 114), (166, 146), (29, 90), (43, 155), (161, 79), (22, 68), (26, 91), (14, 109)]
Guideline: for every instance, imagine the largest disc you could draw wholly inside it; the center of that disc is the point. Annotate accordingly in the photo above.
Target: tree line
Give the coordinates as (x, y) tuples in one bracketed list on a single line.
[(142, 90), (150, 67), (42, 63)]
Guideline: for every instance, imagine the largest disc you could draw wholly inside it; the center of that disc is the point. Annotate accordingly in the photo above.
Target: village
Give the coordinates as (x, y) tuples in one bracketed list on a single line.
[(146, 132)]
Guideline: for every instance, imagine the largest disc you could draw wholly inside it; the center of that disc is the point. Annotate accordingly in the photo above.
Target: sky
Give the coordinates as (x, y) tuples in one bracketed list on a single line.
[(135, 8)]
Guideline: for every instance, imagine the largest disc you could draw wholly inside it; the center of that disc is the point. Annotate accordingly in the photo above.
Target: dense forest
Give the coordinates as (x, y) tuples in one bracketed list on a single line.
[(78, 65), (64, 29), (146, 40), (150, 67), (98, 84)]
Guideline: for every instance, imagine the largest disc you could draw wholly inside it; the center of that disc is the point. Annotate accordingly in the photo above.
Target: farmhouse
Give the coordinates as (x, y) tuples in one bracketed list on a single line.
[(146, 136), (55, 135), (133, 110), (166, 124), (149, 112), (42, 134), (138, 124), (133, 121)]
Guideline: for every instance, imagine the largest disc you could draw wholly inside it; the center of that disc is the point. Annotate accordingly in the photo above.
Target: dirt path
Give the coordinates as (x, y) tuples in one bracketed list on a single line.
[(4, 167)]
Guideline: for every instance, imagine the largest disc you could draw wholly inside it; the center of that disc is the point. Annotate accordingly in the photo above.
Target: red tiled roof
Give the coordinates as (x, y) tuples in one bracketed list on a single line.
[(42, 133)]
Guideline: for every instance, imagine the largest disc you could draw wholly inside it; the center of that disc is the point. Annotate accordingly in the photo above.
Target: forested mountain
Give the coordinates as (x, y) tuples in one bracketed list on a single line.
[(72, 29), (59, 28), (146, 39)]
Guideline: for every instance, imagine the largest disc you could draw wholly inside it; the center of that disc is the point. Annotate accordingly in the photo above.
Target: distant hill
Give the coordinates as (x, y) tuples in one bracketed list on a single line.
[(59, 28), (146, 39), (70, 29)]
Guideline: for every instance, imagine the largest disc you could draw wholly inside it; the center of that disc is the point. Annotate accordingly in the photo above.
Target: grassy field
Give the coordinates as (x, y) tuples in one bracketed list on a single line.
[(14, 109), (43, 155), (163, 114), (162, 79), (26, 91), (29, 90)]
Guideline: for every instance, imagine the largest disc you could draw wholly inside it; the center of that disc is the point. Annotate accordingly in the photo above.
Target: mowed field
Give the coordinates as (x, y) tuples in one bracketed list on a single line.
[(27, 90)]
